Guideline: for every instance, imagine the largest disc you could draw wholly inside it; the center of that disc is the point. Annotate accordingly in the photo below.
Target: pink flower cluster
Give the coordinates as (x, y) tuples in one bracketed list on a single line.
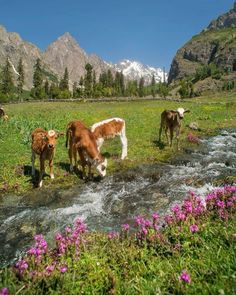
[(71, 238), (21, 266), (146, 226), (193, 138), (192, 206), (39, 254), (223, 201)]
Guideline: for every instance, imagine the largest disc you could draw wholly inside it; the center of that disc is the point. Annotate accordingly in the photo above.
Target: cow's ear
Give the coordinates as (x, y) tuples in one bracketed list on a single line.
[(187, 111)]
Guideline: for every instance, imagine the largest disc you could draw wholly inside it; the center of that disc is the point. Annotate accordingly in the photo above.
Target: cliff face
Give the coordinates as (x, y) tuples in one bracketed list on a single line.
[(12, 46), (216, 44), (66, 52)]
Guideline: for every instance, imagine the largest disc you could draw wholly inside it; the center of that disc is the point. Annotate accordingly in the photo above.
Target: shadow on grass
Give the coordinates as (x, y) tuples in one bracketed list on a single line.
[(33, 179), (78, 172), (161, 145)]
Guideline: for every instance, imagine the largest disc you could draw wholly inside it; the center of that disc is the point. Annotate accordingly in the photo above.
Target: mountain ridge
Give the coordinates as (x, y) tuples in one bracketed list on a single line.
[(215, 44), (64, 52)]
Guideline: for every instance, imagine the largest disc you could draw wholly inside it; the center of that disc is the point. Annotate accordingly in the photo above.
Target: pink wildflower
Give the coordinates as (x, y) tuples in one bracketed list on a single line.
[(144, 231), (50, 268), (112, 235), (193, 228), (147, 223), (4, 291), (155, 216), (63, 269), (139, 220), (220, 204), (125, 227), (176, 209), (21, 265), (168, 219), (185, 277)]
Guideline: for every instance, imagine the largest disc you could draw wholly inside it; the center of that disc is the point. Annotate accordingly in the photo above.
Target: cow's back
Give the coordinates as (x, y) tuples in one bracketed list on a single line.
[(109, 129), (38, 141)]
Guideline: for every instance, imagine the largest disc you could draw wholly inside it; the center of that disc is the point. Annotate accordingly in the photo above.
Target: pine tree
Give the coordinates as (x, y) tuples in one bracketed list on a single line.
[(37, 80), (94, 79), (64, 83), (74, 89), (21, 78), (109, 78), (46, 88), (7, 79), (122, 84), (153, 83), (88, 80), (141, 87)]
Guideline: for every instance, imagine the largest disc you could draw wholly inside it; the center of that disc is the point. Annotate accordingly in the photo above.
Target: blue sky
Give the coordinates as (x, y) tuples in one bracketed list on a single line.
[(149, 31)]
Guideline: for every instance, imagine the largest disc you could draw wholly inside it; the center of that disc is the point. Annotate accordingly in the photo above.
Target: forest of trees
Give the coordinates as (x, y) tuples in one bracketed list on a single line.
[(108, 84)]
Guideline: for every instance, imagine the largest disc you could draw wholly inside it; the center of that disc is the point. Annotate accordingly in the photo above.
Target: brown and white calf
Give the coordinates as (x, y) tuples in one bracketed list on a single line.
[(43, 144), (108, 129), (171, 121), (3, 115), (82, 140)]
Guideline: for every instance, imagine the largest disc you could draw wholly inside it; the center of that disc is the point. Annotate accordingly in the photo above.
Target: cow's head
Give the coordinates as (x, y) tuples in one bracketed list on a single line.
[(51, 138), (101, 166), (181, 112)]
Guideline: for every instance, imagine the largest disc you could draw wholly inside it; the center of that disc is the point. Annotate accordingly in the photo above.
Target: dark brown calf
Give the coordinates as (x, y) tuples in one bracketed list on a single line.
[(171, 121)]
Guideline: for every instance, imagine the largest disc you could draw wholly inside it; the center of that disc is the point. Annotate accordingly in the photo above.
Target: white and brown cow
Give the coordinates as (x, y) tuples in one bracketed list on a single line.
[(43, 144), (82, 140), (108, 129), (171, 121)]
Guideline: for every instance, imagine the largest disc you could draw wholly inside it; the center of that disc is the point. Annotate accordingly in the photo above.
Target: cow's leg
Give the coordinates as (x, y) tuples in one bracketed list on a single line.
[(171, 136), (177, 137), (74, 150), (83, 163), (41, 172), (51, 168), (123, 139), (33, 163), (70, 153), (167, 136), (160, 131)]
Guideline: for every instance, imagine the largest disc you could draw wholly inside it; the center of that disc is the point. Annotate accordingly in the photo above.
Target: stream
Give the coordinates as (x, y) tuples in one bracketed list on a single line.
[(117, 199)]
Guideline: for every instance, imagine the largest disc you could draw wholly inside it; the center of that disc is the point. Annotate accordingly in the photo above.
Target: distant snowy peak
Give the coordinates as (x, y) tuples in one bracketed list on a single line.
[(135, 70)]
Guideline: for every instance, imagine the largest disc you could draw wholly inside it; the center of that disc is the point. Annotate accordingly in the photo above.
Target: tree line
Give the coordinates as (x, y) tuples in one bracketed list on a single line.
[(108, 84)]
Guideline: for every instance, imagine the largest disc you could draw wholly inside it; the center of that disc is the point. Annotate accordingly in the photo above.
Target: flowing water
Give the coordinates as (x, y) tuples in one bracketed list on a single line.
[(115, 200)]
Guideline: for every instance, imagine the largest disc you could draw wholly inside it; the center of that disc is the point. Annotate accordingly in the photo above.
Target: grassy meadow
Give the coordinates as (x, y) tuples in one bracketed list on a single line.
[(142, 125), (192, 253)]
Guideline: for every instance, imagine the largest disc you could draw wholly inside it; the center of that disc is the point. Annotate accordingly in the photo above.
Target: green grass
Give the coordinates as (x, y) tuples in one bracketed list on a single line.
[(142, 123)]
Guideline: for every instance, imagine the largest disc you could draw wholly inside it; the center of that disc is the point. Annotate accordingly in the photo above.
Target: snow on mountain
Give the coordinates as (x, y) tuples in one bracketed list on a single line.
[(135, 70)]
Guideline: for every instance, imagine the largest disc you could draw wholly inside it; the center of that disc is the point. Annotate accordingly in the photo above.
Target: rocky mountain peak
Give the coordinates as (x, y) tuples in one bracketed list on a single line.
[(135, 70), (67, 38), (226, 20), (215, 44)]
